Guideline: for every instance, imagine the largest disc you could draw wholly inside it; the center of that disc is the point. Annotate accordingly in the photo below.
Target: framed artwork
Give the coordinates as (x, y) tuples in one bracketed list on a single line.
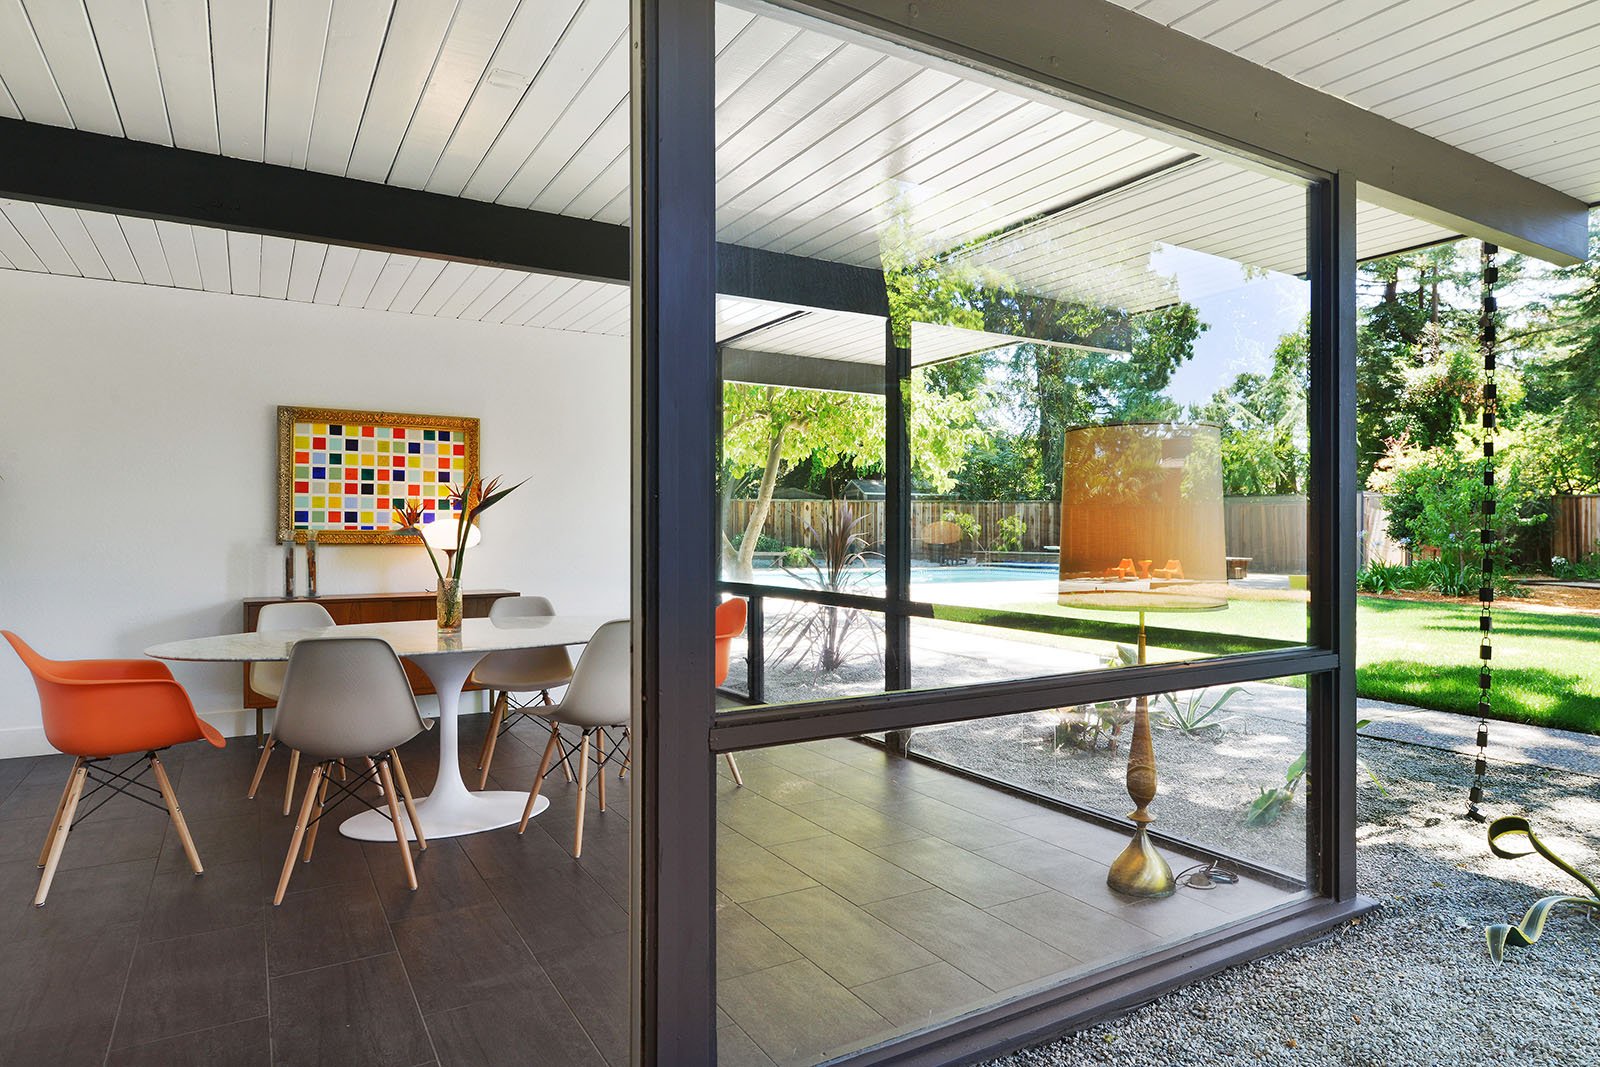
[(342, 473)]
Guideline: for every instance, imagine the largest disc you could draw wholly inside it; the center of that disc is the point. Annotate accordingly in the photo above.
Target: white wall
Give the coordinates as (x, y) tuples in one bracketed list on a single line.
[(138, 464)]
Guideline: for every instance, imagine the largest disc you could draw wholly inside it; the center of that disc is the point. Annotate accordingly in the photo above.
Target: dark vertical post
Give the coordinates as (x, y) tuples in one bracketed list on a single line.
[(674, 531), (897, 511), (755, 657), (1331, 536)]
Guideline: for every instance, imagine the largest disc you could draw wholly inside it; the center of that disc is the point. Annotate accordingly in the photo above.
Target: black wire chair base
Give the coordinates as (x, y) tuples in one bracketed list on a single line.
[(121, 783), (347, 789)]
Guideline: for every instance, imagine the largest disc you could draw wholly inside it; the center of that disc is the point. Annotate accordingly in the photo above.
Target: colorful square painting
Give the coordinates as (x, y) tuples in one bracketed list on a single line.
[(342, 473)]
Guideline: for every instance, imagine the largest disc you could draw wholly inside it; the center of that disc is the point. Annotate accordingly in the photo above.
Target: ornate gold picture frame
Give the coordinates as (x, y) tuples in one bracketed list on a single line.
[(343, 472)]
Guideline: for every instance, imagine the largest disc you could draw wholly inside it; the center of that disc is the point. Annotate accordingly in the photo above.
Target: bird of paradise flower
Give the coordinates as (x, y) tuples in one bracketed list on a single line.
[(467, 501)]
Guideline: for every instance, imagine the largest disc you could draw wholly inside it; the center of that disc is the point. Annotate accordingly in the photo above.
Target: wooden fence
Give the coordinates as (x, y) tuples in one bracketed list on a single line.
[(1576, 525), (1270, 530), (787, 519)]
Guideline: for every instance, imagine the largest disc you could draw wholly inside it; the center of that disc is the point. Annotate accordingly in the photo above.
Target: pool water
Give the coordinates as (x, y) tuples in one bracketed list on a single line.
[(871, 578), (985, 572)]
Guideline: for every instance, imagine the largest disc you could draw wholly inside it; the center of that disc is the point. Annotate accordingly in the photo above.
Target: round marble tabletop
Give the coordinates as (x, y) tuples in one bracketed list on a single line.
[(411, 640), (447, 659)]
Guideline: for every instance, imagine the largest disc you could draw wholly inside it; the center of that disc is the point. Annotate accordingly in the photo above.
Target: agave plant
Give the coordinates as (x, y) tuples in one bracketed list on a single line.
[(1192, 715), (829, 634)]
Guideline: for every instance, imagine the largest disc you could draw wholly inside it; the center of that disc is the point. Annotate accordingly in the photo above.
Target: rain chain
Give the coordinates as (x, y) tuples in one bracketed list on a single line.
[(1486, 332)]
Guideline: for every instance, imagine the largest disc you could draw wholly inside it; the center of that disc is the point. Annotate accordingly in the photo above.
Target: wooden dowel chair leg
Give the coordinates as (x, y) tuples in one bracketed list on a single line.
[(288, 786), (61, 805), (405, 797), (322, 802), (600, 764), (733, 769), (538, 781), (486, 753), (167, 794), (261, 768), (299, 834), (399, 827), (583, 793), (58, 840), (372, 769)]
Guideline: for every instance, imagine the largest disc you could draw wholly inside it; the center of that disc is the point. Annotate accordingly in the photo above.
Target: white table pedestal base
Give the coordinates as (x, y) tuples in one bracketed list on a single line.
[(443, 817), (450, 810)]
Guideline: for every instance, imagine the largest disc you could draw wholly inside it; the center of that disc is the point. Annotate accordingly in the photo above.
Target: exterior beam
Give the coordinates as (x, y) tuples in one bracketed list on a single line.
[(1098, 53), (800, 372), (94, 172)]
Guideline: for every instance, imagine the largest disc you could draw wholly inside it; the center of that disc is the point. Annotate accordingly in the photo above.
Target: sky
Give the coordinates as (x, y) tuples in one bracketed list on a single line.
[(1246, 316)]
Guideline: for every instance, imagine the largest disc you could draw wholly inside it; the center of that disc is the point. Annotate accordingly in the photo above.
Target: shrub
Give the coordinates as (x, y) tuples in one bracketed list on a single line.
[(797, 556), (1008, 533), (1436, 500), (971, 529), (764, 542)]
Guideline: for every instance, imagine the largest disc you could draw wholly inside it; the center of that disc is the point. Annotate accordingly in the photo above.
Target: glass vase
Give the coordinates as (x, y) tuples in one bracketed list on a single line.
[(448, 602)]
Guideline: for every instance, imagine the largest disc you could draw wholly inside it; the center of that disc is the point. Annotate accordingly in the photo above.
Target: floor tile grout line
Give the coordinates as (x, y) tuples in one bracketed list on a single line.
[(560, 995), (190, 1033), (127, 975)]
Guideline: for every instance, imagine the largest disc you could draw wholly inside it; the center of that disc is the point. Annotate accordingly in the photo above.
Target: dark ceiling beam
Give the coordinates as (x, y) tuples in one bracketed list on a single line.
[(1103, 55), (73, 168), (800, 372)]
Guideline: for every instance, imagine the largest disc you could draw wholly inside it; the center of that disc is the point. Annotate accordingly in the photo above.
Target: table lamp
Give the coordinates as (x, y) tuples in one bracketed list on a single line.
[(440, 536), (1142, 530)]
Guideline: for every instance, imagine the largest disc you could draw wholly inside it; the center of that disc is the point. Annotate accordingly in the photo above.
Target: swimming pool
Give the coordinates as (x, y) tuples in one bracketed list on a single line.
[(871, 578)]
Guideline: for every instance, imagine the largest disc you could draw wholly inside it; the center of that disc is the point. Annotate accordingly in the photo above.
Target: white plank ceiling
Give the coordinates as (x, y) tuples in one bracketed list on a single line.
[(90, 244), (1514, 81), (827, 147)]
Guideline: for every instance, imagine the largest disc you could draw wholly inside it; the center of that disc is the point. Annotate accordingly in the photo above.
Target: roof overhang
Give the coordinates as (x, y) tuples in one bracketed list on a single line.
[(1100, 54)]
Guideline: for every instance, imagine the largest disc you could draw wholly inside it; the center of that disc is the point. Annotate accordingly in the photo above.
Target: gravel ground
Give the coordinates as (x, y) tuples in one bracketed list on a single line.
[(1207, 780), (1411, 984)]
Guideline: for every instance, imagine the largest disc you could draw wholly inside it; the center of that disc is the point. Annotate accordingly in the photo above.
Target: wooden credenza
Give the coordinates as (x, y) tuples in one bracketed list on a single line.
[(372, 607)]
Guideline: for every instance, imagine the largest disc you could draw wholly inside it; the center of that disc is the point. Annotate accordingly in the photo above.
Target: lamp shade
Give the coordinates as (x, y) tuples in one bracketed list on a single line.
[(440, 534), (1141, 517)]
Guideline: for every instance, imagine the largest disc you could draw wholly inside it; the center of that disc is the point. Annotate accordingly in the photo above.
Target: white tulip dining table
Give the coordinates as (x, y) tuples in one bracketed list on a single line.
[(451, 810)]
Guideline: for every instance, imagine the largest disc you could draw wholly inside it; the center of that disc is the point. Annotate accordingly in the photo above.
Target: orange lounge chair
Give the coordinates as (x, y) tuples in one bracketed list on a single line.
[(1173, 569), (96, 709), (731, 618)]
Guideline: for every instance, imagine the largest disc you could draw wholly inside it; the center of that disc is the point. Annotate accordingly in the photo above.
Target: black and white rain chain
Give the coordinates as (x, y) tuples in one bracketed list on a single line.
[(1486, 341)]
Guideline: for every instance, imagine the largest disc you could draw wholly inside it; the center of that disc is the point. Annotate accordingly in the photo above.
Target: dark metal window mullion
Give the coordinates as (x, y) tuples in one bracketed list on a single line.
[(675, 426), (850, 716), (1331, 534), (897, 511)]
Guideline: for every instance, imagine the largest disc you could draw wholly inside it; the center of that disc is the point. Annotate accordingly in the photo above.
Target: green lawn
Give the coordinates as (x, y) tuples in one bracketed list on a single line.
[(1547, 666)]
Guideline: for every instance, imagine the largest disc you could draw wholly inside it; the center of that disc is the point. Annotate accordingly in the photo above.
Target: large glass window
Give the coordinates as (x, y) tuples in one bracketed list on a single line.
[(1010, 390), (1099, 342)]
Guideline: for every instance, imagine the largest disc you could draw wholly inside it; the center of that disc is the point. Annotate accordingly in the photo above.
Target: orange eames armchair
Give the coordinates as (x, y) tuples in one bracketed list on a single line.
[(731, 617), (95, 709)]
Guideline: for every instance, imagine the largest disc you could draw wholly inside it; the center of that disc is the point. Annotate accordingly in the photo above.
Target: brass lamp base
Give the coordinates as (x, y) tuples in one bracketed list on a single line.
[(1140, 871)]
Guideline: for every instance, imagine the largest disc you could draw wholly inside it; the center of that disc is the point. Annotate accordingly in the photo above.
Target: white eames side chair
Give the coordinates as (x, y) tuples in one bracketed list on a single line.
[(346, 700), (510, 675), (267, 679), (597, 697)]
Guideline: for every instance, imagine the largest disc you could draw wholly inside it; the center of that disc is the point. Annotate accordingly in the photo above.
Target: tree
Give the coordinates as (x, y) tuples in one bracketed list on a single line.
[(1263, 422), (1563, 383), (765, 427), (1035, 392)]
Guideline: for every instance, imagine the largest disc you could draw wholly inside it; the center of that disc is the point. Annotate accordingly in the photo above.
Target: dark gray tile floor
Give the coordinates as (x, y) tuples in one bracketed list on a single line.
[(859, 896)]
